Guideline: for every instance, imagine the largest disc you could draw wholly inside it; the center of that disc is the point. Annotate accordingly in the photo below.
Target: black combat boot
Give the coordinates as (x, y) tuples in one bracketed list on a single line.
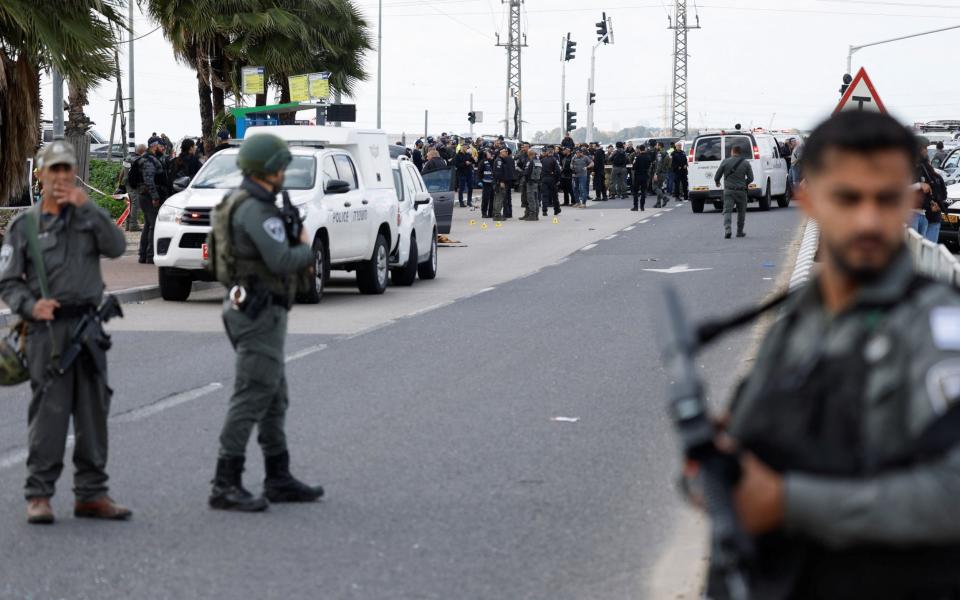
[(228, 492), (281, 486)]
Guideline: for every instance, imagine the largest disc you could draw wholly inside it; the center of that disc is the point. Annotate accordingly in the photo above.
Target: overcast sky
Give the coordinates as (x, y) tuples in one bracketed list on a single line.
[(754, 61)]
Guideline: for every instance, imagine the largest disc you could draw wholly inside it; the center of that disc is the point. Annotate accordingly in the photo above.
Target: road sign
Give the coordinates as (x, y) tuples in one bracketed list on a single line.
[(319, 86), (299, 88), (861, 95)]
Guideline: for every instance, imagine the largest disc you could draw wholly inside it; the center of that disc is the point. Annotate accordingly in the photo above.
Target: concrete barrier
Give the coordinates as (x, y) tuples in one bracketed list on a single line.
[(933, 260)]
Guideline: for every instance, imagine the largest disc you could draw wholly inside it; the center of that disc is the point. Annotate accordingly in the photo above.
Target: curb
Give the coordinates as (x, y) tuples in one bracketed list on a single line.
[(132, 295), (807, 254)]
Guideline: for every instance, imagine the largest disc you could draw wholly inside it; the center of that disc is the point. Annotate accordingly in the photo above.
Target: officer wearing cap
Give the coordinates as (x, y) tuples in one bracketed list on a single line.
[(848, 431), (255, 316), (67, 234)]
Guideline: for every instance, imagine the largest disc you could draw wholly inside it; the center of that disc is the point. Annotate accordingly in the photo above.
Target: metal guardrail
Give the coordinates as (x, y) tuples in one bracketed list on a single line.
[(933, 260)]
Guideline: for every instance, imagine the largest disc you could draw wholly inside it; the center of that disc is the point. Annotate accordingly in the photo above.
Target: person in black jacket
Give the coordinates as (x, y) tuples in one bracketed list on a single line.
[(642, 162), (599, 173), (549, 177), (485, 172), (619, 175), (568, 142), (504, 175), (679, 165), (417, 157), (566, 175), (434, 162), (522, 159), (186, 164), (934, 194), (464, 164)]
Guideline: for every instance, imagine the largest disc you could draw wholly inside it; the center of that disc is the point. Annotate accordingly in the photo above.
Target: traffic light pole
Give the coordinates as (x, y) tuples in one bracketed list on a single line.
[(854, 49), (563, 86), (591, 84)]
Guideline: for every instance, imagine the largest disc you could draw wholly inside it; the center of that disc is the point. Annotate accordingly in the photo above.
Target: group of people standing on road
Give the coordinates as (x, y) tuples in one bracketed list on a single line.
[(541, 174)]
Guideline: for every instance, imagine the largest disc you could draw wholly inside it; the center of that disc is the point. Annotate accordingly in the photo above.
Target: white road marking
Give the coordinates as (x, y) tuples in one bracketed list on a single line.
[(428, 309), (488, 289), (305, 352), (631, 228), (645, 222), (678, 269), (610, 237), (565, 419), (657, 215), (138, 414), (588, 247), (19, 456)]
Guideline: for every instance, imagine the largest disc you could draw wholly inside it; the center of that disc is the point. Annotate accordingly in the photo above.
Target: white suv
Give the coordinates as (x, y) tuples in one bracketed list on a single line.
[(340, 179), (760, 149), (417, 250)]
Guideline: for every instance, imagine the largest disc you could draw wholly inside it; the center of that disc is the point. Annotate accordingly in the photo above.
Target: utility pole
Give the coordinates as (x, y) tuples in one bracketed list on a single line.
[(426, 122), (680, 55), (379, 62), (516, 41), (132, 143), (57, 104)]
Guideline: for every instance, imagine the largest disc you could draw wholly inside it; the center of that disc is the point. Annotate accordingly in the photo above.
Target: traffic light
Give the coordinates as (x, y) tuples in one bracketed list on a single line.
[(847, 80), (472, 117), (593, 98), (571, 119), (571, 51), (602, 30)]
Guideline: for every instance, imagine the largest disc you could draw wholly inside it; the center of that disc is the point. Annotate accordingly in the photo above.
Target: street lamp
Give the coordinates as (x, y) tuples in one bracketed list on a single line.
[(854, 49)]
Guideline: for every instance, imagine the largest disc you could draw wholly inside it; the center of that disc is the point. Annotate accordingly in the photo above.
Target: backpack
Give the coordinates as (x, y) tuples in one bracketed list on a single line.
[(220, 261), (135, 175), (536, 174)]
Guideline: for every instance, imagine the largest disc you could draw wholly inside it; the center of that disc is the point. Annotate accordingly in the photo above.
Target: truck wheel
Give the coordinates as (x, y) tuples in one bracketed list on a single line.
[(783, 201), (321, 272), (717, 205), (428, 269), (765, 200), (174, 288), (407, 274), (372, 274), (697, 206)]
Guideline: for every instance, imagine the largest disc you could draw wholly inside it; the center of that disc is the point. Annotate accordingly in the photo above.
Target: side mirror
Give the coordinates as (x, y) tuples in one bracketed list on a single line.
[(181, 184), (421, 198), (336, 186)]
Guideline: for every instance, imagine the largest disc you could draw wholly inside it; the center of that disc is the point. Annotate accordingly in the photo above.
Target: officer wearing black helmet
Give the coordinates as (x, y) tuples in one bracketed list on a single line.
[(251, 245)]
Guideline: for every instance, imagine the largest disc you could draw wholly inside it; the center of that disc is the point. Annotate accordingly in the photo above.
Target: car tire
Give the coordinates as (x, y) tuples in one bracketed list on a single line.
[(697, 206), (783, 201), (174, 288), (321, 267), (373, 274), (406, 274), (428, 270), (765, 199)]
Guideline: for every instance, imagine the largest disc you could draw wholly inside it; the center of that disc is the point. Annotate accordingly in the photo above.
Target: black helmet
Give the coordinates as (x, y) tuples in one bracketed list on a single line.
[(263, 154)]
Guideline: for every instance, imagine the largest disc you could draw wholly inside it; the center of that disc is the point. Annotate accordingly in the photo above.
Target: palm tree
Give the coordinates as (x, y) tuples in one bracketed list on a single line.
[(287, 37), (76, 37)]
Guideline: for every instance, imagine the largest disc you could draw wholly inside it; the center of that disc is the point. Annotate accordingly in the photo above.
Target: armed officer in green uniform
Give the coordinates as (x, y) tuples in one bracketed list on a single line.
[(252, 254), (50, 276), (737, 176), (849, 427)]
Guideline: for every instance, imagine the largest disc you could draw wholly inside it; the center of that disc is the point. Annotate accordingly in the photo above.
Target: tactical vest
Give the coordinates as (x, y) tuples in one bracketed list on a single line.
[(812, 425), (536, 173), (230, 269)]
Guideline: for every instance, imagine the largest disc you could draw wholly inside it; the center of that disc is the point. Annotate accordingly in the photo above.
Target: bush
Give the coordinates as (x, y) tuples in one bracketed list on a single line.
[(104, 176)]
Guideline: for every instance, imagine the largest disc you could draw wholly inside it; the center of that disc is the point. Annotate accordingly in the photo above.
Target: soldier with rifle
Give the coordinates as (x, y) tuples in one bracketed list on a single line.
[(260, 253), (50, 276), (837, 472)]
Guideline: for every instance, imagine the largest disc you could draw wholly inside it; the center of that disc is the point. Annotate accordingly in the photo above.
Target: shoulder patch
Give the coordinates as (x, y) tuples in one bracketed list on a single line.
[(275, 229), (6, 254), (945, 326), (943, 384)]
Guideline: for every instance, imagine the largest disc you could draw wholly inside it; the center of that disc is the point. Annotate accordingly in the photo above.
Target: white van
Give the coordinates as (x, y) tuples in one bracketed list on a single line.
[(342, 182), (763, 152)]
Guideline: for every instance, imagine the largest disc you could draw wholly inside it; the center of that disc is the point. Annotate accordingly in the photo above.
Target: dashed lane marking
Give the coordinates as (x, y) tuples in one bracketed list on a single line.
[(644, 222), (588, 247), (631, 228), (18, 457), (305, 352), (610, 237), (139, 414)]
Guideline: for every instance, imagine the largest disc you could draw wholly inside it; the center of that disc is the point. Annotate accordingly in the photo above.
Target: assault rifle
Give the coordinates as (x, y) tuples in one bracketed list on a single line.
[(293, 223), (88, 331), (730, 548)]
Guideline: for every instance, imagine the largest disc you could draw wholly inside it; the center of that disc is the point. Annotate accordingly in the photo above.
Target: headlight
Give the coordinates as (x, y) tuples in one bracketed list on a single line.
[(169, 214)]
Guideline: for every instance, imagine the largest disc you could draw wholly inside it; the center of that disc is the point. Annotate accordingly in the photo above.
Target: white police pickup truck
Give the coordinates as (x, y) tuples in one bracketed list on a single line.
[(340, 179)]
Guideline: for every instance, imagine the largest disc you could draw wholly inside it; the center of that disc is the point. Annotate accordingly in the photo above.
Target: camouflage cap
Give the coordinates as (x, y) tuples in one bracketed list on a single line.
[(57, 152)]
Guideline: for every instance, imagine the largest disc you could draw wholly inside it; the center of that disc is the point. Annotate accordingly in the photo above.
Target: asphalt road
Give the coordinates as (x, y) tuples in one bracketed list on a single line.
[(447, 475)]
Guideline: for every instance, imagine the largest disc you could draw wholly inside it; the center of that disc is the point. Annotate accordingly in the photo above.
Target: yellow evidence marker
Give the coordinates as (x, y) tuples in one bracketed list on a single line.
[(556, 221), (499, 224), (473, 221), (483, 225)]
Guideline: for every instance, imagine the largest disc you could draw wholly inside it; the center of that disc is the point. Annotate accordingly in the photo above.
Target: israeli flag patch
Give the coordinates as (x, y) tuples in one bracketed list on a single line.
[(275, 229), (945, 326)]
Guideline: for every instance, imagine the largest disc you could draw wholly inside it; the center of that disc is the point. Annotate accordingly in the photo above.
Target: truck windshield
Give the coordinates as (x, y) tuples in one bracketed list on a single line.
[(221, 172)]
